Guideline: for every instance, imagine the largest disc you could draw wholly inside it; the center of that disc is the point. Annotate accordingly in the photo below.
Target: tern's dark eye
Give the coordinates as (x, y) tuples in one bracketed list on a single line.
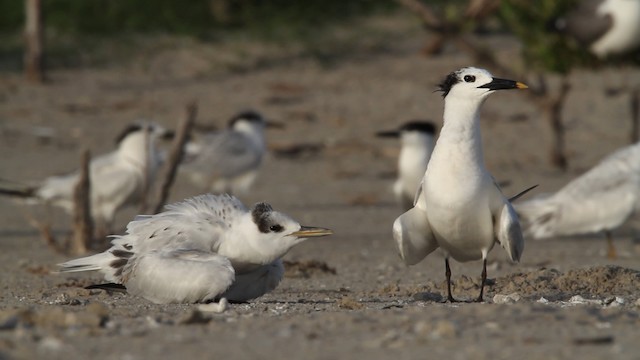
[(276, 228), (469, 78)]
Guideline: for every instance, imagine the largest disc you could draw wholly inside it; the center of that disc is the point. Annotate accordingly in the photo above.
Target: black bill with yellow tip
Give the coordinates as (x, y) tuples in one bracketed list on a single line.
[(503, 84)]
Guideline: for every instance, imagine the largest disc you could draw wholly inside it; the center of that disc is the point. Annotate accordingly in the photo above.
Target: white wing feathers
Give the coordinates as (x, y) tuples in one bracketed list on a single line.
[(226, 154), (413, 236), (180, 276), (508, 232), (192, 224), (600, 199)]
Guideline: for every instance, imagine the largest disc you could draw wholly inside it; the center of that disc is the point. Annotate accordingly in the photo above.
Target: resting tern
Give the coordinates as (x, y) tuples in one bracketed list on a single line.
[(205, 248), (117, 178), (228, 161), (607, 27), (601, 199), (417, 139), (459, 208)]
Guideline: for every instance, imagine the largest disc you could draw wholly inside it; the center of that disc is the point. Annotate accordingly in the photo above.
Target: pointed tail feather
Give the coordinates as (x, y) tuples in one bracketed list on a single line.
[(521, 193), (108, 287), (99, 262)]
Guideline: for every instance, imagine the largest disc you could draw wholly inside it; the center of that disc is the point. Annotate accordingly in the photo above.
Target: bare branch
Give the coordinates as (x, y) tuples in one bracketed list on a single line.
[(177, 149)]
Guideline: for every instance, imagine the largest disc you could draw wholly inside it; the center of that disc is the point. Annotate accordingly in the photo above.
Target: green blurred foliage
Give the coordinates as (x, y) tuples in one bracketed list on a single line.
[(544, 49), (195, 17)]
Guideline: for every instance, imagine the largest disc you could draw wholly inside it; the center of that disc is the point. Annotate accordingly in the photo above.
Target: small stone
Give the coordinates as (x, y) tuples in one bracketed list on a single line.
[(506, 299), (542, 300), (349, 303), (577, 299), (614, 301), (50, 343)]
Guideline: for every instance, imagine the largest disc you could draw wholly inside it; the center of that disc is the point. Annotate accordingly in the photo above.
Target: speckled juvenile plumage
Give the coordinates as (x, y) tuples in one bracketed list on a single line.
[(201, 249)]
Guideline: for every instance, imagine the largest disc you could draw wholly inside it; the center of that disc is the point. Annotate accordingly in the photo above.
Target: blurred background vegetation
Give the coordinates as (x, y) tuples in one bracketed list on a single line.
[(195, 17), (81, 24)]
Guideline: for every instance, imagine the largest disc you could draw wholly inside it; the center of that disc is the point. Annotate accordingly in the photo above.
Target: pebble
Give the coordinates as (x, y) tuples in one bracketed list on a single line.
[(506, 299)]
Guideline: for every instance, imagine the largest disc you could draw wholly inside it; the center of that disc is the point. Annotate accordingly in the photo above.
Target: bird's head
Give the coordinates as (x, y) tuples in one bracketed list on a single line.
[(474, 83), (138, 130), (275, 233), (246, 119), (413, 126)]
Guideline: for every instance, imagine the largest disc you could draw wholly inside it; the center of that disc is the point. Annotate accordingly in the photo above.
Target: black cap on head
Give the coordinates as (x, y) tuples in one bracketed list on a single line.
[(260, 216), (446, 85), (419, 125), (131, 128), (249, 115), (422, 126)]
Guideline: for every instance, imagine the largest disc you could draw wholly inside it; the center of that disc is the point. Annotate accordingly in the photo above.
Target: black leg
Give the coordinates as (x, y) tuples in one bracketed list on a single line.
[(484, 278), (448, 274)]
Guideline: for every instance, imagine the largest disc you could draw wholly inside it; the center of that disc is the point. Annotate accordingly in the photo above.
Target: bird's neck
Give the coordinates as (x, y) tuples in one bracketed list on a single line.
[(245, 250), (460, 138), (138, 150)]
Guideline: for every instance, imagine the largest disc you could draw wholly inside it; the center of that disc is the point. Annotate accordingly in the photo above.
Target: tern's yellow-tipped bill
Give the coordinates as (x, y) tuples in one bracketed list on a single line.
[(308, 231)]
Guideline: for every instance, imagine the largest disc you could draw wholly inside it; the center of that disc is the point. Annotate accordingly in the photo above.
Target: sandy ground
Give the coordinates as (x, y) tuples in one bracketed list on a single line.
[(565, 300)]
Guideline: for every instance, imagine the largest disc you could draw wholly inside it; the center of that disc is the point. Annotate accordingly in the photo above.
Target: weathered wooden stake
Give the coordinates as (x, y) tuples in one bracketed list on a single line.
[(635, 114), (82, 220), (177, 149), (33, 36)]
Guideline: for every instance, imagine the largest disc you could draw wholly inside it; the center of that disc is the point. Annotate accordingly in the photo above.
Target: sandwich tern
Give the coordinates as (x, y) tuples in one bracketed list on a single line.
[(459, 208), (227, 161), (418, 140), (206, 248), (607, 27), (118, 178), (601, 199)]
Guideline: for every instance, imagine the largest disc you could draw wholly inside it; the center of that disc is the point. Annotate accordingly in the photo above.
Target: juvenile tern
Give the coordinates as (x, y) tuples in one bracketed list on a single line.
[(417, 139), (607, 27), (601, 199), (459, 208), (205, 248), (117, 178), (228, 161)]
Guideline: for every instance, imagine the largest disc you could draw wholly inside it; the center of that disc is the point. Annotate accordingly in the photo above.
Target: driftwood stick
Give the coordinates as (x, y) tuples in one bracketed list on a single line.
[(177, 150), (146, 181), (82, 220)]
